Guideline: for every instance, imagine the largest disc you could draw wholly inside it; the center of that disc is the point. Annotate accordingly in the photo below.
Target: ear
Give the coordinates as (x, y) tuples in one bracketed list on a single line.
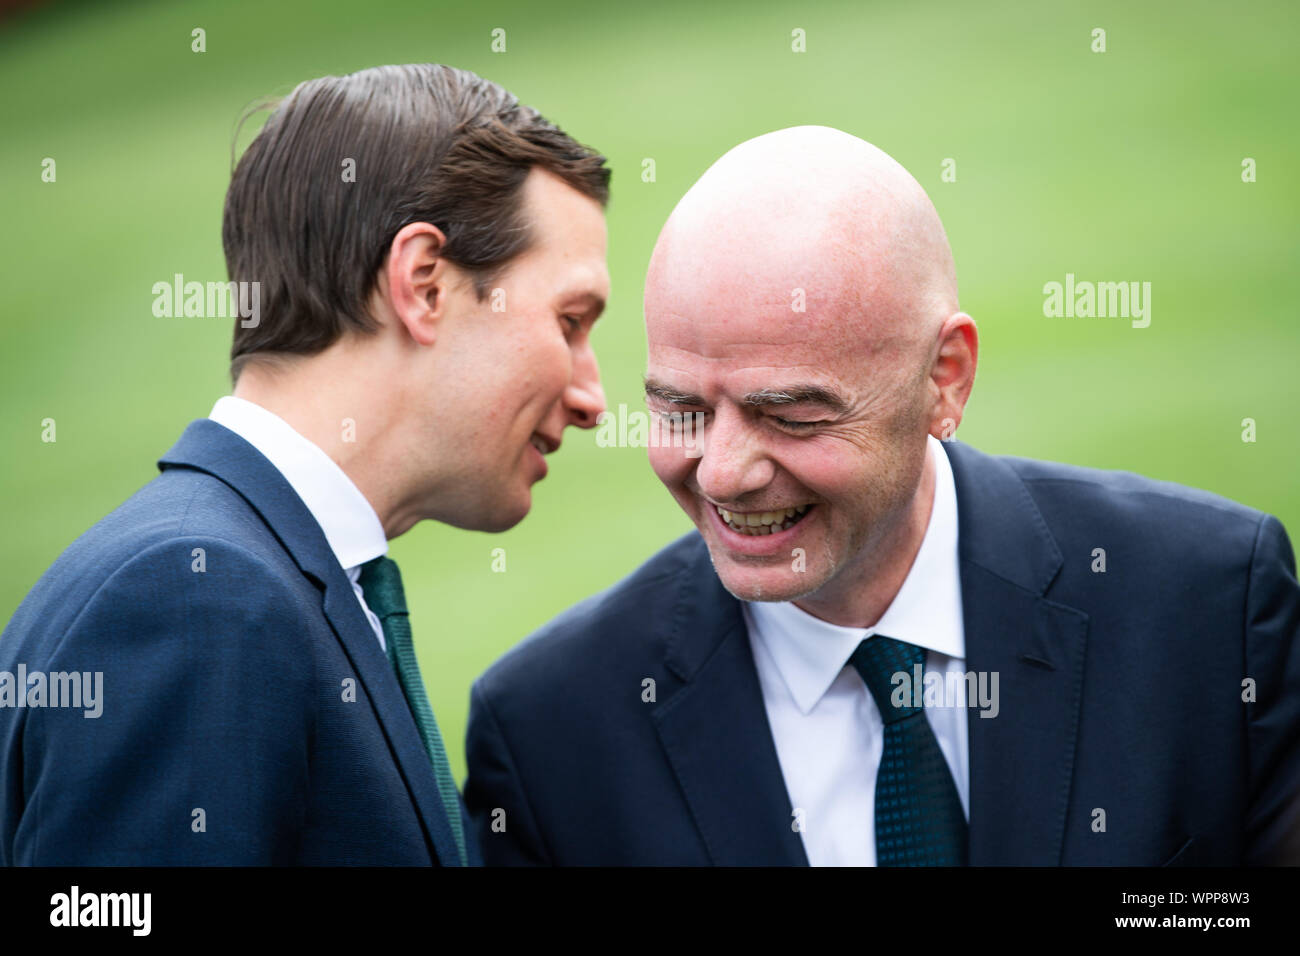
[(417, 280), (953, 373)]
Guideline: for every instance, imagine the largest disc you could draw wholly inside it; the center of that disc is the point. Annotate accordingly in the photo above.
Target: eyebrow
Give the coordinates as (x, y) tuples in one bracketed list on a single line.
[(657, 389), (797, 395), (764, 397)]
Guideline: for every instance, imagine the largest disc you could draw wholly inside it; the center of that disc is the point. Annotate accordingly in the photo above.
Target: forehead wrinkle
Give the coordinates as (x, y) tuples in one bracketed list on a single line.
[(858, 349)]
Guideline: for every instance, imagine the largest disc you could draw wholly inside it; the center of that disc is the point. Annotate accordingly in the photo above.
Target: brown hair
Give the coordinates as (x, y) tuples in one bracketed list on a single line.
[(427, 143)]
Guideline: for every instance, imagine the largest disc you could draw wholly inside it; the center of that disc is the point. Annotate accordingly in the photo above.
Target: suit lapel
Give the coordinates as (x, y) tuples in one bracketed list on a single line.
[(715, 732), (211, 448), (376, 675), (1022, 760)]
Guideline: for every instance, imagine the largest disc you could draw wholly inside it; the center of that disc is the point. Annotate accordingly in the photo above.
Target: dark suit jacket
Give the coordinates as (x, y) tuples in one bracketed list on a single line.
[(1120, 691), (223, 690)]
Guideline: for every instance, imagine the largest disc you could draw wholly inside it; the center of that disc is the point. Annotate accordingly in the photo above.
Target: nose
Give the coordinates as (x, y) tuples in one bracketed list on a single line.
[(584, 398), (732, 462)]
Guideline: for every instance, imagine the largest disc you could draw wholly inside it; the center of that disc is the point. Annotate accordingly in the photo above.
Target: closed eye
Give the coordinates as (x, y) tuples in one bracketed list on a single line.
[(793, 425)]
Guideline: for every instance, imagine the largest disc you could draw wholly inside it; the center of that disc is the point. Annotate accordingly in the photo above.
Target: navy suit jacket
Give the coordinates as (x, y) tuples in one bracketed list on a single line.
[(1120, 692), (249, 715)]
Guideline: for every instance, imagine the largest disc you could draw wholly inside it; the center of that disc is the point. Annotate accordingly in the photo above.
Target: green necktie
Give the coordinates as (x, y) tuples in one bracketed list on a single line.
[(381, 583), (919, 819)]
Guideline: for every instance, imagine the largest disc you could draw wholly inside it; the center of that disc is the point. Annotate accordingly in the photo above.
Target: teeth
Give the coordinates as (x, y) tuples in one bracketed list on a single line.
[(763, 522)]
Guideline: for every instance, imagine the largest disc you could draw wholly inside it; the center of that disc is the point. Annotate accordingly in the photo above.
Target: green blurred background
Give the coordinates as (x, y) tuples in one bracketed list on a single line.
[(1123, 165)]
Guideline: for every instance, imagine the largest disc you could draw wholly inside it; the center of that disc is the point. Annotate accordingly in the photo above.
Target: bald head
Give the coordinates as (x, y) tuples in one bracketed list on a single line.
[(815, 209), (801, 306)]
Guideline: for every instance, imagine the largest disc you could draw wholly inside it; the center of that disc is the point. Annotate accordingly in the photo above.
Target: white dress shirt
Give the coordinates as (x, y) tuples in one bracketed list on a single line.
[(351, 527), (827, 728)]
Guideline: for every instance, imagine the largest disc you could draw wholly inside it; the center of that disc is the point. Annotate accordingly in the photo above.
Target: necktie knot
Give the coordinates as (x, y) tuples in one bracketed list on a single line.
[(880, 661), (381, 583)]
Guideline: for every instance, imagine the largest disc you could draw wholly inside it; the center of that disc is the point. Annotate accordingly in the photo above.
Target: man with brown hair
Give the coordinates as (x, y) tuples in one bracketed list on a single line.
[(430, 258)]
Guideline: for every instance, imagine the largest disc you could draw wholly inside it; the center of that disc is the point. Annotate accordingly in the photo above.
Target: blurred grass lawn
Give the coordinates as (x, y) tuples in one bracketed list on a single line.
[(1116, 166)]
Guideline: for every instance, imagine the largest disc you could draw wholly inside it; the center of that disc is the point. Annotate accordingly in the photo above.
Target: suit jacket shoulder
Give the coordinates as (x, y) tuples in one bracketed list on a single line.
[(249, 716)]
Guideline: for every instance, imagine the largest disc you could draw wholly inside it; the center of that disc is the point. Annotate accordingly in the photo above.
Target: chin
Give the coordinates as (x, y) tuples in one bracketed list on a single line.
[(771, 577), (768, 584), (492, 516), (506, 518)]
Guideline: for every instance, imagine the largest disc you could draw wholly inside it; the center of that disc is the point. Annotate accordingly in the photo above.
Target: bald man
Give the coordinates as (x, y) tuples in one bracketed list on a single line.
[(880, 648)]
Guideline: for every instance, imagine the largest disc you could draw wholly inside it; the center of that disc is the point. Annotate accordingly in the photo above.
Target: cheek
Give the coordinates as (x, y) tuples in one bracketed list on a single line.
[(672, 466), (669, 464), (534, 367), (836, 472)]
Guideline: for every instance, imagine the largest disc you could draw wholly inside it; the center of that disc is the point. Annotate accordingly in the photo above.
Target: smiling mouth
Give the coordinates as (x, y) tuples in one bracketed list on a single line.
[(756, 523)]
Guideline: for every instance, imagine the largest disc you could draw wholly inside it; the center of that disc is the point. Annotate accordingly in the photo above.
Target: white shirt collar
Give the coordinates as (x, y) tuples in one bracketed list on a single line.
[(351, 527), (927, 611)]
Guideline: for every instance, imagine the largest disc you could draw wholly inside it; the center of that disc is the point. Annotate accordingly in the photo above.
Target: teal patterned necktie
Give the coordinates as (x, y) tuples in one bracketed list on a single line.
[(381, 583), (919, 820)]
